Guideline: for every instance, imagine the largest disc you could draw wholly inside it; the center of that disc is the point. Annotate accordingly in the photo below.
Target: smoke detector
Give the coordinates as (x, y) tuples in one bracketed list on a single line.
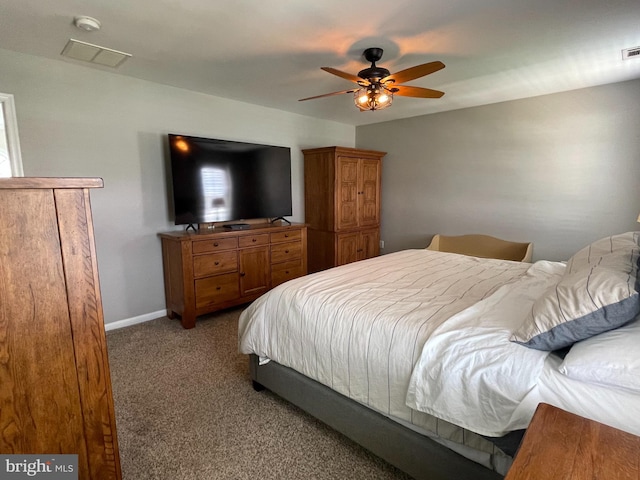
[(89, 24)]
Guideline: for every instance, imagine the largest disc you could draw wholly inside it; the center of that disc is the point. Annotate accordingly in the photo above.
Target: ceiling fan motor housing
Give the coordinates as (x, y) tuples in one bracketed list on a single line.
[(373, 72)]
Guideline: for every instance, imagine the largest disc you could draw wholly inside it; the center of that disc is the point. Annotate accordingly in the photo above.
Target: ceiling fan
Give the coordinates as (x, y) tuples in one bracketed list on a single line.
[(377, 86)]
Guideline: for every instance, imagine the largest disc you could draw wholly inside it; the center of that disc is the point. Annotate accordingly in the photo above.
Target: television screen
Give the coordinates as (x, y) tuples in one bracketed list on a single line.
[(221, 180)]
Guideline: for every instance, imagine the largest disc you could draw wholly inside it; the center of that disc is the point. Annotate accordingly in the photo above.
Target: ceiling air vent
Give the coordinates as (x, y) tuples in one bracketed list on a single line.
[(628, 53), (88, 52)]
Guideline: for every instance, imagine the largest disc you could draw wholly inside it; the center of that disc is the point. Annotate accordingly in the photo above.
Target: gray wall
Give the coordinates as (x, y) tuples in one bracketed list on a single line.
[(559, 170), (78, 121)]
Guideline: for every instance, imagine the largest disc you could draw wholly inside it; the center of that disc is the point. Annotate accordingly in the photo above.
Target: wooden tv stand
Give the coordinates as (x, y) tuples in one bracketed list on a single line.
[(210, 270)]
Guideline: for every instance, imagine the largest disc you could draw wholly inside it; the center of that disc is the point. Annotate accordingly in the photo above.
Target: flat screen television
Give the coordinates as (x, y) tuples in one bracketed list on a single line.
[(221, 180)]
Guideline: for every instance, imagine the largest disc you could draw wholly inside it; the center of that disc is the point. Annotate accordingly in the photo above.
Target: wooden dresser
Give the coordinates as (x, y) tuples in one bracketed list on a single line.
[(55, 387), (342, 205), (559, 445), (209, 270)]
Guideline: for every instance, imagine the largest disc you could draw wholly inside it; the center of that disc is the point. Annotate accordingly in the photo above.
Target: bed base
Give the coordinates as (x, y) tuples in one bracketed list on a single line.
[(414, 454)]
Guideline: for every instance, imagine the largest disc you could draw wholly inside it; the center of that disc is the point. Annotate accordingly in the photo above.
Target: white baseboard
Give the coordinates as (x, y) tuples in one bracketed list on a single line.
[(127, 322)]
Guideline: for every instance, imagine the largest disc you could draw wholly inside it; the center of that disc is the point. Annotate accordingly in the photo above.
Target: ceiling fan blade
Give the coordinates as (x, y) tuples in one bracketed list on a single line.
[(329, 94), (419, 92), (345, 75), (414, 72)]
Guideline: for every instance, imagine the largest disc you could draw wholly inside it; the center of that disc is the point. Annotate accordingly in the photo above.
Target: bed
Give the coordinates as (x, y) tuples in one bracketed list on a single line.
[(436, 361)]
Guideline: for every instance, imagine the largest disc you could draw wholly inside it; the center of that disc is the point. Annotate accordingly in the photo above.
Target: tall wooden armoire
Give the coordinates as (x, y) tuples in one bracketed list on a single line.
[(55, 386), (342, 205)]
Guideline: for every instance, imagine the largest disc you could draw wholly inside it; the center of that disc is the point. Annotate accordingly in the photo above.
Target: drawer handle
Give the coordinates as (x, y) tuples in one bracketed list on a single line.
[(217, 263), (287, 272), (218, 288), (286, 251), (286, 235), (242, 274), (215, 244), (254, 240)]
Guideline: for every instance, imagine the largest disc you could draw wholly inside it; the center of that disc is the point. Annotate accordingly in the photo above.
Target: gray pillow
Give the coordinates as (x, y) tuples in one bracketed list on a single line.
[(597, 293)]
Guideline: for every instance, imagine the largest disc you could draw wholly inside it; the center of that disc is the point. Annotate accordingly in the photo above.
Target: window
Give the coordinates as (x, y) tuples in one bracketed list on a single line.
[(10, 157)]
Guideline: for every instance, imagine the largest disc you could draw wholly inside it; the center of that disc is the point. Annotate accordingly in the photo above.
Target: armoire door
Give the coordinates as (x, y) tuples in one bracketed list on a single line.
[(369, 192), (348, 193)]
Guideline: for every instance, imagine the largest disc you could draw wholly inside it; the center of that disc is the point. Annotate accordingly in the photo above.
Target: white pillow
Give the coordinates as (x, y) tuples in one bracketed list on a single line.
[(599, 291), (611, 358), (583, 304), (606, 252)]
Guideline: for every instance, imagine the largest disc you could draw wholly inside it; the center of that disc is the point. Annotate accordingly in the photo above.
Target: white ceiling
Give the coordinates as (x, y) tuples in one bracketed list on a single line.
[(270, 52)]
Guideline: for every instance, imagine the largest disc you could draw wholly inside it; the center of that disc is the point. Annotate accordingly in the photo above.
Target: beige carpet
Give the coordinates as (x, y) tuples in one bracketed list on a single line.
[(185, 409)]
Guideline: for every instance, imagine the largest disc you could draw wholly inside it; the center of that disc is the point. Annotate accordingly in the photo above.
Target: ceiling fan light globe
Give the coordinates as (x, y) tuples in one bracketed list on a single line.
[(372, 98), (384, 100)]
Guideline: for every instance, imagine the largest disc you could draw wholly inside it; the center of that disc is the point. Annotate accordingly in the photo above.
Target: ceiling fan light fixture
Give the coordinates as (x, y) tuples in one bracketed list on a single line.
[(373, 97), (376, 86)]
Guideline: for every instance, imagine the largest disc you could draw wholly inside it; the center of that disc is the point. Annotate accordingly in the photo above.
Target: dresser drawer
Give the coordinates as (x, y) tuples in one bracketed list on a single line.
[(283, 252), (286, 236), (215, 263), (217, 289), (253, 240), (283, 272), (206, 246)]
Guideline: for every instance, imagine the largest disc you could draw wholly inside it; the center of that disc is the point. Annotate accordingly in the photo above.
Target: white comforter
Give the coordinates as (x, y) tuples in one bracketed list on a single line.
[(361, 328), (469, 372)]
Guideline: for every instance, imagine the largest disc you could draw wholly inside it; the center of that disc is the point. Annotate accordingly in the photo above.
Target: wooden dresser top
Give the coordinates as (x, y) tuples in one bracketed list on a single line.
[(50, 182), (190, 235)]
